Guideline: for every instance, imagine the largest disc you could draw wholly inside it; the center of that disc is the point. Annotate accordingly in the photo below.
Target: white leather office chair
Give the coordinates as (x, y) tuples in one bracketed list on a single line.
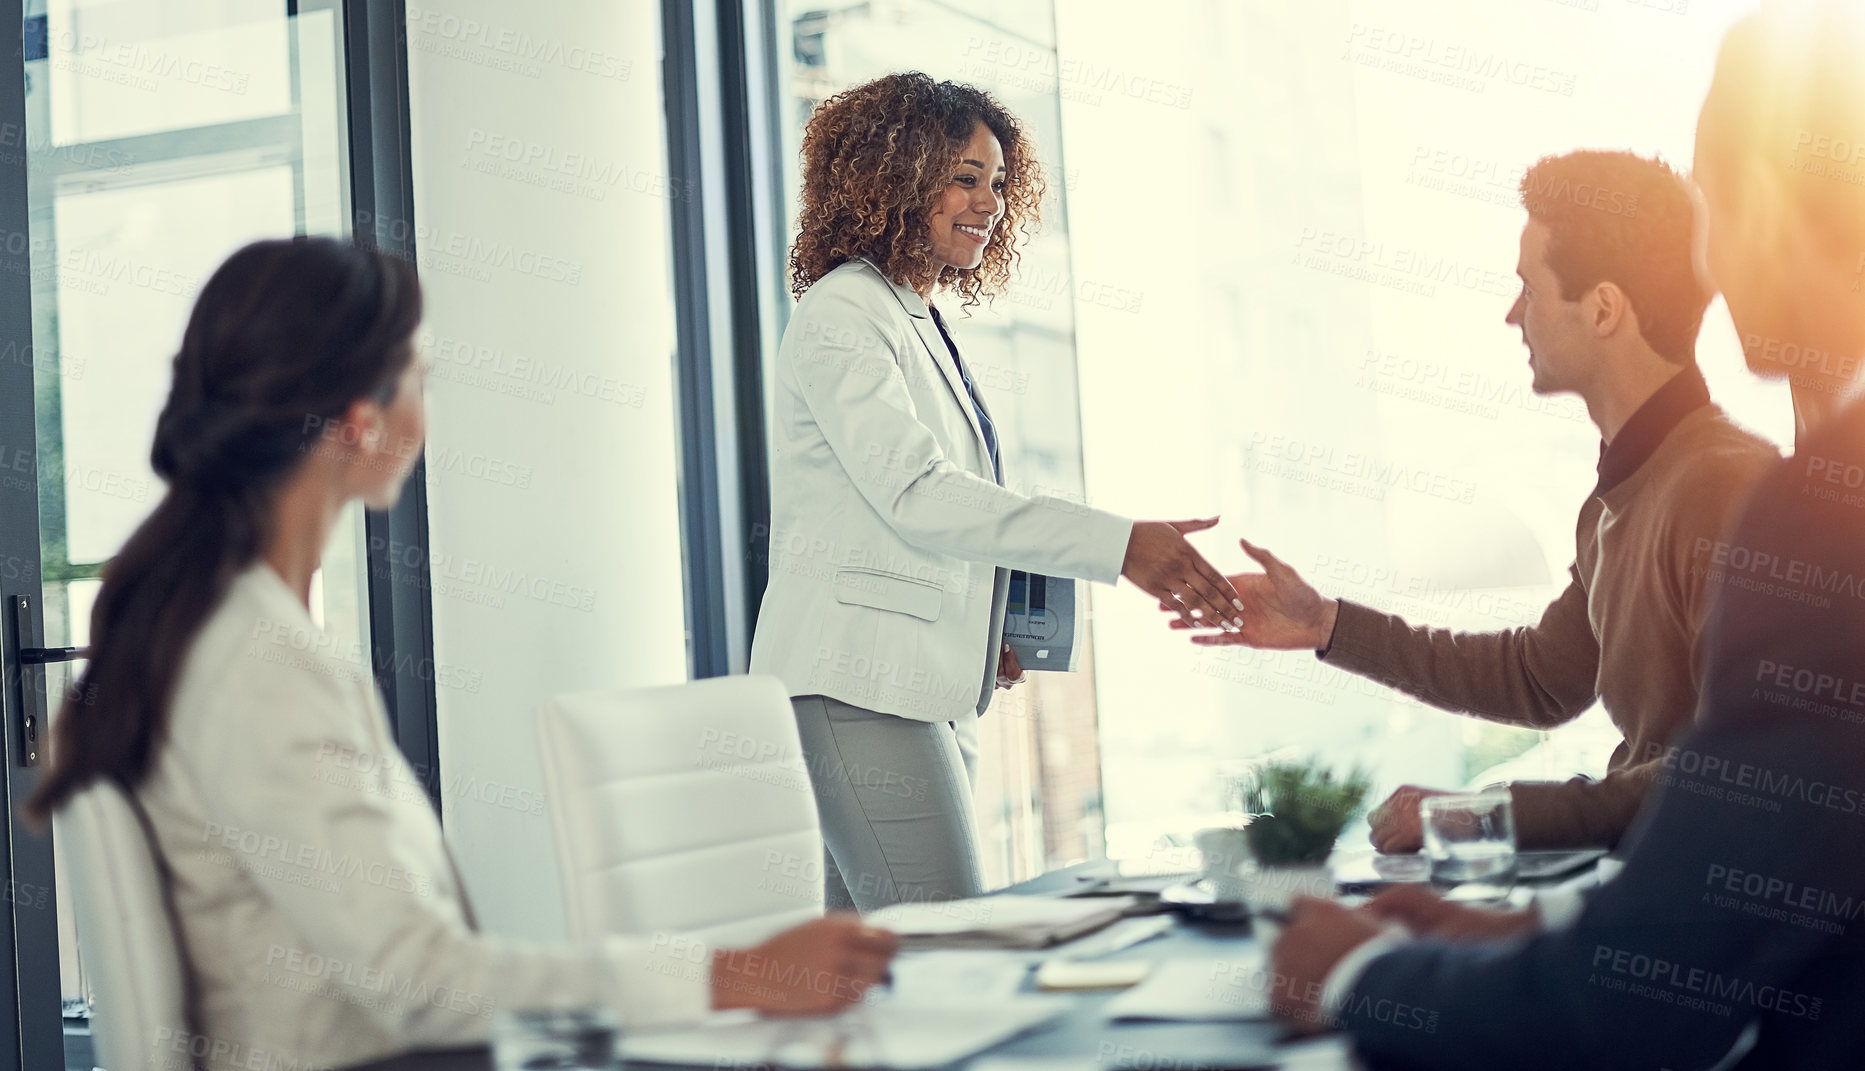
[(685, 808), (128, 942)]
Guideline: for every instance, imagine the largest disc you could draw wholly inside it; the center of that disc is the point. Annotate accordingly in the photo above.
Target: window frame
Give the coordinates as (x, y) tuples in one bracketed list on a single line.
[(720, 91)]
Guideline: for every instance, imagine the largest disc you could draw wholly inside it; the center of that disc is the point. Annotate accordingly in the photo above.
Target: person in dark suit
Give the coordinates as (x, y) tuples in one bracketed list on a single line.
[(1735, 934)]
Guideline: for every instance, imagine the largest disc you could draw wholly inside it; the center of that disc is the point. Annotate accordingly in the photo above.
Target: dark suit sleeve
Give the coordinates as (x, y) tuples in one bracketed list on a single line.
[(1736, 897)]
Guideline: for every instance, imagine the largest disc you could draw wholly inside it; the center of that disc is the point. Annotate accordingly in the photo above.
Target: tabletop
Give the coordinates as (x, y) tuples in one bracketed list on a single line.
[(1083, 1033), (1083, 1036)]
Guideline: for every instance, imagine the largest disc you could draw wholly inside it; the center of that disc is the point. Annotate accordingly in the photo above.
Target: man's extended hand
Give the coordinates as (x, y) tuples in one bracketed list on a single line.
[(1318, 935), (1163, 564), (1396, 823), (1281, 612), (1427, 914)]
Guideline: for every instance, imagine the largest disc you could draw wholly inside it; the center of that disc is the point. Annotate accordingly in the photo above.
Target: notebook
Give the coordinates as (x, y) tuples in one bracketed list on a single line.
[(1006, 921)]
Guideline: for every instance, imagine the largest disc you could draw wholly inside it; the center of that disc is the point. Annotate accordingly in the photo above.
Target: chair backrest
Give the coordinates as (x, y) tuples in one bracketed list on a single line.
[(685, 808), (131, 953)]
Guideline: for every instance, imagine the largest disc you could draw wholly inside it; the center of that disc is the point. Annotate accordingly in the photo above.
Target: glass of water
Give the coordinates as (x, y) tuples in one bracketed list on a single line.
[(1470, 841), (575, 1039)]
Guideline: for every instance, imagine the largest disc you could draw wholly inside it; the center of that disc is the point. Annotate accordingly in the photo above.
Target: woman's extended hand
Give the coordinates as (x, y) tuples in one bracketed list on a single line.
[(1163, 564), (816, 968)]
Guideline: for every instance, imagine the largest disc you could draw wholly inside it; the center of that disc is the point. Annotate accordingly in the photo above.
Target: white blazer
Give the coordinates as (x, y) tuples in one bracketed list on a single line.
[(319, 911), (890, 536)]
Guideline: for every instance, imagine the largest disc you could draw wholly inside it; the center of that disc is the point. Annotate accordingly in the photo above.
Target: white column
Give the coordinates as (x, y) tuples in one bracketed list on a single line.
[(541, 201)]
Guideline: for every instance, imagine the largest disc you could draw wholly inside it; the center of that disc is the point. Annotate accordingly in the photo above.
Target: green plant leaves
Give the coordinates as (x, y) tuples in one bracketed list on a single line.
[(1299, 809)]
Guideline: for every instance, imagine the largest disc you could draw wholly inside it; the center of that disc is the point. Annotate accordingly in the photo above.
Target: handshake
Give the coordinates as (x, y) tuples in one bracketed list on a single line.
[(1276, 610), (1273, 610)]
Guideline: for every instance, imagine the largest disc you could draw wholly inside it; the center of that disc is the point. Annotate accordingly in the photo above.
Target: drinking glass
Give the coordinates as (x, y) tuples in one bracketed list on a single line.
[(1470, 841), (576, 1039)]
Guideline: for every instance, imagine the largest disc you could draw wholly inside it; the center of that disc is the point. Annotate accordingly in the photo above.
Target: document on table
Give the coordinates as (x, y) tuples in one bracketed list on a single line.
[(932, 976), (1234, 1051), (1004, 921), (904, 1036), (1197, 991), (1121, 935)]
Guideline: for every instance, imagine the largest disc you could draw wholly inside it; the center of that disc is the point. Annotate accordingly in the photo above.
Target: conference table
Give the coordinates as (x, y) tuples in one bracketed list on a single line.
[(1082, 1035), (1085, 1037)]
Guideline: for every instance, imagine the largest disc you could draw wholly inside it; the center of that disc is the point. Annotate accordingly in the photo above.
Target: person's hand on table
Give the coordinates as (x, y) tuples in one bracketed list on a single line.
[(1281, 612), (814, 968), (1427, 914), (1396, 824), (1318, 935), (1163, 564), (1009, 670)]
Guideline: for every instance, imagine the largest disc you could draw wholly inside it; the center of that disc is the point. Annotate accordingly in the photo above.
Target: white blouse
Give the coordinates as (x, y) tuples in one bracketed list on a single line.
[(320, 914)]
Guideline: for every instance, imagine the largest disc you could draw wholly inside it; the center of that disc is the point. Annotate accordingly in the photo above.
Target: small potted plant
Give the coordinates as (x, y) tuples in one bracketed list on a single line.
[(1296, 810)]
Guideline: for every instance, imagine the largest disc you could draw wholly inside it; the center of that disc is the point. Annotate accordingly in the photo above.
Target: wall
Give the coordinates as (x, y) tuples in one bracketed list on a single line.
[(541, 201)]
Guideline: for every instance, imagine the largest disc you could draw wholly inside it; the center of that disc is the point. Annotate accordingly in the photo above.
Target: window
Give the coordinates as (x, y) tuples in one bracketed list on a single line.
[(1269, 184), (160, 138)]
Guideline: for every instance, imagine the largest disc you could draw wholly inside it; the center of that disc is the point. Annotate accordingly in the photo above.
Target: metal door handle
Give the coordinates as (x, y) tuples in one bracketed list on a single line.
[(40, 656), (31, 716)]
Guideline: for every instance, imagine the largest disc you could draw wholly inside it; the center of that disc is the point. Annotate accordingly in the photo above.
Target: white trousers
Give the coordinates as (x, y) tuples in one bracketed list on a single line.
[(895, 798)]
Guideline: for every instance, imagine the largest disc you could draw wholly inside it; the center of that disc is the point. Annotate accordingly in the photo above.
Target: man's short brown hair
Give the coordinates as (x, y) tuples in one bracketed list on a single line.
[(1619, 218)]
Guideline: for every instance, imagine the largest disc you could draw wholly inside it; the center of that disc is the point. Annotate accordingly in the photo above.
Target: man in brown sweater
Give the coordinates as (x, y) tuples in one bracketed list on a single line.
[(1609, 310)]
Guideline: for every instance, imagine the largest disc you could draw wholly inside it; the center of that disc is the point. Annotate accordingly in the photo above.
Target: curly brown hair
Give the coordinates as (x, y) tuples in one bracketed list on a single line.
[(875, 158)]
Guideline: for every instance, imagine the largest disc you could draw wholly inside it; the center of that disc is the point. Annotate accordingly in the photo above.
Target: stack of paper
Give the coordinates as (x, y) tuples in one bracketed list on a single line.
[(1007, 921), (903, 1037), (934, 975), (1194, 990)]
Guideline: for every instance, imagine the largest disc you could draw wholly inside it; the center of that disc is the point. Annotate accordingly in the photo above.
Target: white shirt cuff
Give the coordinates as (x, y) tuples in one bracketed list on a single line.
[(1346, 973), (1559, 906), (1107, 535), (661, 981)]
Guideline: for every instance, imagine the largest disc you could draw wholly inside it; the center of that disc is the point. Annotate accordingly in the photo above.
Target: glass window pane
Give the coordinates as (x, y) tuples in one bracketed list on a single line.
[(129, 264), (123, 235), (121, 69), (1325, 242)]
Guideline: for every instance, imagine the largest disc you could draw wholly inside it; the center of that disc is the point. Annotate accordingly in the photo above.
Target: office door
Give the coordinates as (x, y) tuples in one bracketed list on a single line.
[(157, 137)]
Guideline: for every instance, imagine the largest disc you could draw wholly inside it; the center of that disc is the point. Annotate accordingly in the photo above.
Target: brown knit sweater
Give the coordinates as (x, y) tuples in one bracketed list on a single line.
[(1624, 631)]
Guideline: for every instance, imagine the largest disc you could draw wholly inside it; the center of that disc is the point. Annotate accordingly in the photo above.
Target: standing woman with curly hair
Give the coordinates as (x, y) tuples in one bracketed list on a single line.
[(892, 532)]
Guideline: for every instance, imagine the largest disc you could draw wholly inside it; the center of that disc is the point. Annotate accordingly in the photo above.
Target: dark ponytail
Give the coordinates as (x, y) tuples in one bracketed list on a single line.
[(284, 338)]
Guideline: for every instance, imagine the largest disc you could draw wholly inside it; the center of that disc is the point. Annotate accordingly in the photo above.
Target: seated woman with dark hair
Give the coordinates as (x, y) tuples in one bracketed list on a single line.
[(321, 919)]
